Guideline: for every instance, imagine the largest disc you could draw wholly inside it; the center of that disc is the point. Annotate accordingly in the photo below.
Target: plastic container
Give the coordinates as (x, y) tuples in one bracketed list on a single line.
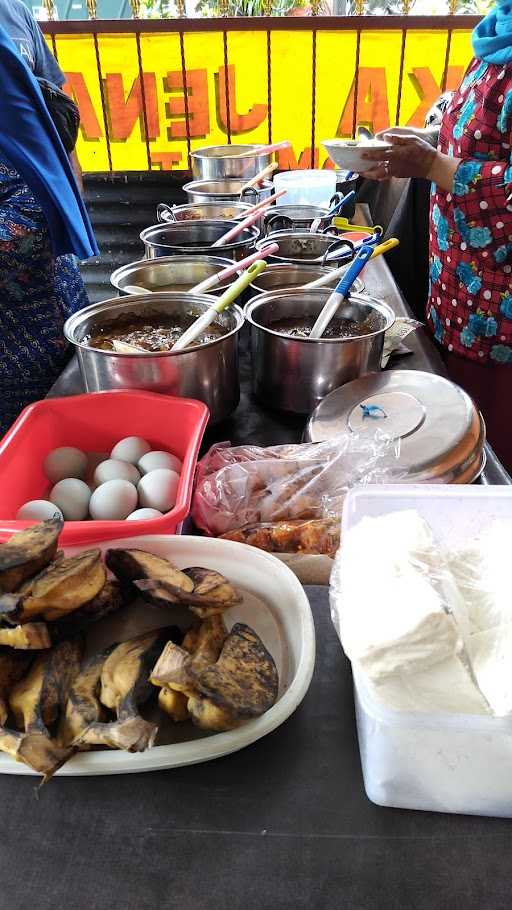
[(95, 423), (436, 762), (306, 187)]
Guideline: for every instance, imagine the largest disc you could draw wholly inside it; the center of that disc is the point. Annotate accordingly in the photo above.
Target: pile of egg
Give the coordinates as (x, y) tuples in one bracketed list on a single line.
[(133, 483)]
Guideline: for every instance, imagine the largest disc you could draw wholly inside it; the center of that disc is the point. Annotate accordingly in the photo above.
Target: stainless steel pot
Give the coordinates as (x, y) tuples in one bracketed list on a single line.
[(196, 237), (301, 247), (216, 162), (207, 372), (284, 275), (295, 374), (226, 191), (169, 273), (294, 217), (201, 211)]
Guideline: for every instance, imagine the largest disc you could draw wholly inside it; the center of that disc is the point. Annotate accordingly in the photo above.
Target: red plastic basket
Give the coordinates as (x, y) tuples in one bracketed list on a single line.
[(95, 423)]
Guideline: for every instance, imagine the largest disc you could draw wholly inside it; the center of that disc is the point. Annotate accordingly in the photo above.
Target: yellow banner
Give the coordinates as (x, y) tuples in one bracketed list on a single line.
[(134, 117)]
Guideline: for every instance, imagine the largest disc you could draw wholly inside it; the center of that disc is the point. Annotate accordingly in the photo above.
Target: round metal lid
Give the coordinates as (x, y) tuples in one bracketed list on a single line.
[(441, 433)]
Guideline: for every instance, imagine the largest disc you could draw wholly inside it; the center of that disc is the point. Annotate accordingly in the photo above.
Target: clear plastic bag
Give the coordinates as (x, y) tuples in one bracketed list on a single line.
[(247, 486)]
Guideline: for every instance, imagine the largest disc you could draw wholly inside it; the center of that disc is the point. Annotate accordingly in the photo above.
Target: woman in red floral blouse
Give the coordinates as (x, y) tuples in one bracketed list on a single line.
[(469, 308)]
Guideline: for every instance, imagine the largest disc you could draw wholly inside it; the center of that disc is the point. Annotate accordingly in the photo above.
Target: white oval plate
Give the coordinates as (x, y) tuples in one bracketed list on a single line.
[(276, 607)]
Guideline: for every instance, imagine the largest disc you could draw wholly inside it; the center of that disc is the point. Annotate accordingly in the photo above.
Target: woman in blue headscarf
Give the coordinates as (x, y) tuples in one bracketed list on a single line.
[(469, 309), (43, 226)]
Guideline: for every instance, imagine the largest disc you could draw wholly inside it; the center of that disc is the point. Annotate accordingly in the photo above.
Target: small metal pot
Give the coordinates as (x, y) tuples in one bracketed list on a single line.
[(294, 218), (201, 211), (216, 162), (226, 191), (301, 247), (208, 372), (169, 273), (294, 374), (196, 237), (277, 277)]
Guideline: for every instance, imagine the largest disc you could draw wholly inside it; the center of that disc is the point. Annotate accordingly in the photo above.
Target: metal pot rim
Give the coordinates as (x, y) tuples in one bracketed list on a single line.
[(127, 268), (202, 152), (156, 228), (115, 302), (269, 296), (196, 186)]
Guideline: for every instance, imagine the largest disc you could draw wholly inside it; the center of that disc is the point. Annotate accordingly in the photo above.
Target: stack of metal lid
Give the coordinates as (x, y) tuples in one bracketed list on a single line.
[(441, 432)]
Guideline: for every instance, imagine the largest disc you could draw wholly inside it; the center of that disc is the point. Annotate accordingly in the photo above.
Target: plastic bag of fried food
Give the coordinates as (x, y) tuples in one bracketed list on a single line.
[(288, 498)]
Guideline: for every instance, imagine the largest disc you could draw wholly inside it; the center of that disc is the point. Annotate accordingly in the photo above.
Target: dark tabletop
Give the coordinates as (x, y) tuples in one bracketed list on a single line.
[(283, 825)]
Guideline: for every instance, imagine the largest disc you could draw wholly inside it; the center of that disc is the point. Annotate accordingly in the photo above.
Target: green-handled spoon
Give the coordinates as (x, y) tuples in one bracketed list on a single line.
[(229, 297)]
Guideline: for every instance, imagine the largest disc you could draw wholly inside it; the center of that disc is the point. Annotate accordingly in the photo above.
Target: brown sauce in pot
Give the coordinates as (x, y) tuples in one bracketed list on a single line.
[(301, 326), (152, 333)]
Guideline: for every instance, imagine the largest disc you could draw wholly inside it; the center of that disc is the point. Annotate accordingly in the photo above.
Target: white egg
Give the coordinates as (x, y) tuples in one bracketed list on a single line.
[(72, 497), (113, 501), (155, 460), (157, 490), (113, 469), (65, 462), (130, 449), (93, 460), (144, 514), (38, 510)]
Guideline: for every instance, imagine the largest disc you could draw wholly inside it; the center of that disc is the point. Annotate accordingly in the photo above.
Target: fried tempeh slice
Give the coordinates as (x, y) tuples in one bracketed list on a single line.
[(111, 598), (242, 684), (27, 552), (32, 636), (83, 707), (134, 565), (124, 686), (65, 587)]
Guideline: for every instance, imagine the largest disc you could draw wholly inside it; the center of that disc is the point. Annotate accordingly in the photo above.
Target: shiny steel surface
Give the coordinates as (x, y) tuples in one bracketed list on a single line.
[(212, 163), (285, 275), (295, 374), (196, 237), (200, 191), (301, 247), (441, 433), (207, 372), (201, 211), (159, 274), (293, 217)]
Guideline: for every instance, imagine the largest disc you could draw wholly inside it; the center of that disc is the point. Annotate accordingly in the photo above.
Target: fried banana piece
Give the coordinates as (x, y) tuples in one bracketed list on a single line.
[(205, 639), (27, 552), (32, 636), (65, 587), (174, 704), (36, 700), (211, 593), (13, 665), (83, 707), (124, 686), (36, 750), (134, 565), (241, 685), (111, 598)]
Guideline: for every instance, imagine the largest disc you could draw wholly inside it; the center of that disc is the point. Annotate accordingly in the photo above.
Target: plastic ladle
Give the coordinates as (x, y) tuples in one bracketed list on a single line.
[(334, 274), (231, 270), (341, 292), (229, 297)]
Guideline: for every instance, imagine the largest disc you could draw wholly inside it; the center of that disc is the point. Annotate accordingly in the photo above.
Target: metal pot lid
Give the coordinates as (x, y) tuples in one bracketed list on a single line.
[(441, 433)]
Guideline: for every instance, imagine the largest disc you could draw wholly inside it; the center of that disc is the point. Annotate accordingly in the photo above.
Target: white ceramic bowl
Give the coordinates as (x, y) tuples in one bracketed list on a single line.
[(275, 605), (348, 153)]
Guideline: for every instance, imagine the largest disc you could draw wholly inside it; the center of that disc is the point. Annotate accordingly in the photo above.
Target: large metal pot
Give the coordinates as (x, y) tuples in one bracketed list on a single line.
[(294, 217), (207, 372), (294, 374), (226, 191), (168, 273), (196, 237), (201, 211), (301, 247), (284, 275), (216, 162)]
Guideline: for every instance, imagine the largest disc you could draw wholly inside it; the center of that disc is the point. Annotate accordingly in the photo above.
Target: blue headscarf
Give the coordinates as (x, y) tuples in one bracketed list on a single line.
[(492, 38), (31, 144)]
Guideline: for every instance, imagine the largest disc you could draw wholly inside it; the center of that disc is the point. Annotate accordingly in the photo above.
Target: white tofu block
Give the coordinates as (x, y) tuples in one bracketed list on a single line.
[(491, 658)]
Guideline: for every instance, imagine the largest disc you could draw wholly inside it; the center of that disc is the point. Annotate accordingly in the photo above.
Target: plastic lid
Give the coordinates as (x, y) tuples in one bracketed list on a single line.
[(441, 433)]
